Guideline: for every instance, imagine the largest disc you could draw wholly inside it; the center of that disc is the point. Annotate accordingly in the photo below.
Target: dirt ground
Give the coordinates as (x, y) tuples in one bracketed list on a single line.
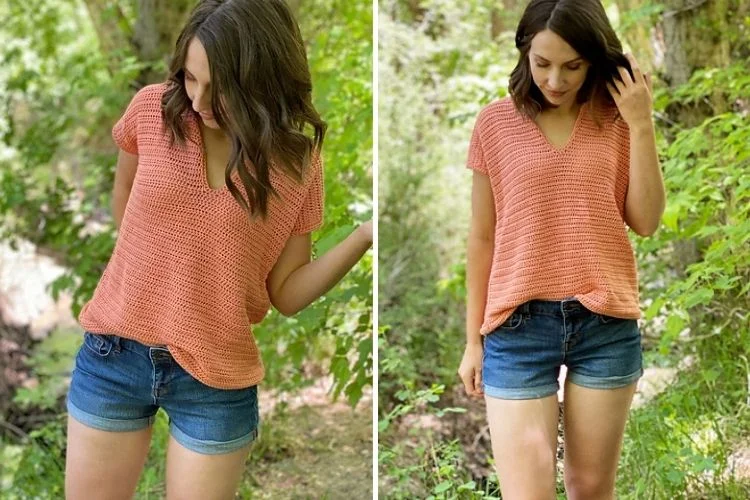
[(312, 448)]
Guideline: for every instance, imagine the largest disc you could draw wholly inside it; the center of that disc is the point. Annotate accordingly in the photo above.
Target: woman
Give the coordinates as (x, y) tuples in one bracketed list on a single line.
[(560, 167), (198, 259)]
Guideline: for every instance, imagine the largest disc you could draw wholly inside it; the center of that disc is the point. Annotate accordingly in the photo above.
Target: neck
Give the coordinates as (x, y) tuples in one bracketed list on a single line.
[(566, 110), (212, 134)]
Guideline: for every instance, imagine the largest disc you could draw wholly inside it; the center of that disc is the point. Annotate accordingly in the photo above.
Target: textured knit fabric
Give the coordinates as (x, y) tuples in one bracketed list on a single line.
[(189, 267), (560, 229)]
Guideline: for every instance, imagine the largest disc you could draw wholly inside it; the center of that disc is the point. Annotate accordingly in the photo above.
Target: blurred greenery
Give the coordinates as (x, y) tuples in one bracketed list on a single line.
[(439, 64), (63, 84)]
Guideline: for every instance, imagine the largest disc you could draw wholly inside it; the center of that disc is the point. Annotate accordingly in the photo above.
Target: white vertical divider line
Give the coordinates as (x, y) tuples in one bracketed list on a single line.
[(375, 308)]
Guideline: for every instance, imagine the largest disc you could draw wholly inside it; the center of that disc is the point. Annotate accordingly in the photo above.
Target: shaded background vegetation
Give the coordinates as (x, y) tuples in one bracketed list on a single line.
[(440, 63), (68, 68)]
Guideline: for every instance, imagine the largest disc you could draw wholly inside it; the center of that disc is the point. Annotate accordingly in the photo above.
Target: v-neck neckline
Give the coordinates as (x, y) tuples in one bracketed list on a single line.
[(203, 160), (571, 137)]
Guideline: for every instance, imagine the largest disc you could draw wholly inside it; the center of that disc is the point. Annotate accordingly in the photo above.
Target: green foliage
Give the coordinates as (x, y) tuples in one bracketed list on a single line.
[(682, 440), (50, 362), (429, 94), (440, 471), (432, 468), (36, 469)]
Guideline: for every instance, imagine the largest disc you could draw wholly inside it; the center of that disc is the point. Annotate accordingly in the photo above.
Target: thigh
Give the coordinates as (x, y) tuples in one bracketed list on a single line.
[(594, 424), (102, 465), (524, 446), (193, 475)]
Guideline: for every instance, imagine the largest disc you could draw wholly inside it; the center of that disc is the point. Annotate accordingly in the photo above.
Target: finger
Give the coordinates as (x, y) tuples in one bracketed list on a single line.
[(637, 74), (478, 382), (612, 91), (625, 76), (467, 380)]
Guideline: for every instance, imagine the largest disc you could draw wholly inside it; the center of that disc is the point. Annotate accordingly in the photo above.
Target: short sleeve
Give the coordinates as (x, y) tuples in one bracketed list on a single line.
[(125, 131), (310, 215), (476, 159), (623, 165)]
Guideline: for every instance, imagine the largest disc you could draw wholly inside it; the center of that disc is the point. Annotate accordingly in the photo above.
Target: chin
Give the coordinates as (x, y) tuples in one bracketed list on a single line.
[(211, 124), (556, 102)]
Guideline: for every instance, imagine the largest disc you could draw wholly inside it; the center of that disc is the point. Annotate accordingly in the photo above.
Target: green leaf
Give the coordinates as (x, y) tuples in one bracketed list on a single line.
[(443, 487), (700, 296)]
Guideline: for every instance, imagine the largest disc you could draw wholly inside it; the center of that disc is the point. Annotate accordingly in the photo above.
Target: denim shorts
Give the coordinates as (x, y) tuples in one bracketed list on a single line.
[(119, 384), (522, 357)]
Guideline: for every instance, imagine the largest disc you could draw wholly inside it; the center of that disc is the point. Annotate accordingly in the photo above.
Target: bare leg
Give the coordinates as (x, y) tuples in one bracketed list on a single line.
[(524, 446), (194, 476), (101, 465), (594, 421)]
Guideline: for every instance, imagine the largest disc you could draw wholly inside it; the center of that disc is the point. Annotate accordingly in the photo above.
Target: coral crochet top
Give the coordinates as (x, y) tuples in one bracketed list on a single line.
[(189, 267), (560, 229)]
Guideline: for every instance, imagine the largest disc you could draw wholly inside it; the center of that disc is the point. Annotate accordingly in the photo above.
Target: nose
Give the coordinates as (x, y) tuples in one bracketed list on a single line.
[(554, 80), (201, 102)]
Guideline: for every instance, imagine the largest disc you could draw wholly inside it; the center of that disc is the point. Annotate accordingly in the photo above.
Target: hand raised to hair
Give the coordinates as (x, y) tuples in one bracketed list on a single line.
[(633, 96)]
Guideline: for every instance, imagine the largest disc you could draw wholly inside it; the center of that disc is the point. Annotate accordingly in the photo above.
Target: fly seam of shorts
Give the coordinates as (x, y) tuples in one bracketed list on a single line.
[(567, 336), (153, 377)]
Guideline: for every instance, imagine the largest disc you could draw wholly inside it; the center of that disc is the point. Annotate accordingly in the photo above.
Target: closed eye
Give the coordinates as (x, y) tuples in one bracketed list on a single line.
[(572, 68)]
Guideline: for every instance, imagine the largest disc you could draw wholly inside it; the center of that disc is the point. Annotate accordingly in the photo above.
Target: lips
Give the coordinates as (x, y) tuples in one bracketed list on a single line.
[(556, 94)]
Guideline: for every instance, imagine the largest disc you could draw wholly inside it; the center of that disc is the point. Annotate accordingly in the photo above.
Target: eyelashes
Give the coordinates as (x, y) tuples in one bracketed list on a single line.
[(572, 68)]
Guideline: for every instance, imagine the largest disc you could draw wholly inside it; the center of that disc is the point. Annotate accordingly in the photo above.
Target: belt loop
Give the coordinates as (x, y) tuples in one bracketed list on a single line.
[(525, 307), (116, 341)]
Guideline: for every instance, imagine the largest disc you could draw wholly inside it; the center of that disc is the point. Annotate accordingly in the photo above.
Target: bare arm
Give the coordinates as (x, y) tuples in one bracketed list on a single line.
[(645, 201), (124, 175), (295, 281), (481, 244)]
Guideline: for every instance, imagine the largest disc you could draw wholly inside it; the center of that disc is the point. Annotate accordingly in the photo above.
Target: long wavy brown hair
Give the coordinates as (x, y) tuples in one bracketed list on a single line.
[(584, 25), (261, 92)]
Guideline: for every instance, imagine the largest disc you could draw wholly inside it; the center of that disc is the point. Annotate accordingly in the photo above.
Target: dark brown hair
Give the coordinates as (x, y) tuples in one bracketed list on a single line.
[(261, 92), (584, 25)]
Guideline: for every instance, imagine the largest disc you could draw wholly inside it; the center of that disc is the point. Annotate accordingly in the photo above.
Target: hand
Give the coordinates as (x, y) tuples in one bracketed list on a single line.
[(366, 229), (633, 96), (470, 370)]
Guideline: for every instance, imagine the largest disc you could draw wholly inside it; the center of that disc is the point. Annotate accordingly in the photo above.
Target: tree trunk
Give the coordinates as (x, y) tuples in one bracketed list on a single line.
[(639, 35), (151, 34)]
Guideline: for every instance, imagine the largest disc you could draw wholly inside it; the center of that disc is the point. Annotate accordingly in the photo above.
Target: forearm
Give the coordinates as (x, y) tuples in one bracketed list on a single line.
[(119, 202), (305, 284), (478, 266), (645, 201)]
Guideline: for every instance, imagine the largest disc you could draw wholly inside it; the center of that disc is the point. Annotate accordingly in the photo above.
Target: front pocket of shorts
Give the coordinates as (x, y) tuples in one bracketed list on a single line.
[(98, 344), (514, 321)]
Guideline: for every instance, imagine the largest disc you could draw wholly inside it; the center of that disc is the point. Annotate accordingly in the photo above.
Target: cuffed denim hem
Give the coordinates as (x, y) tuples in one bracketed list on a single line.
[(604, 382), (521, 393), (207, 447), (108, 424)]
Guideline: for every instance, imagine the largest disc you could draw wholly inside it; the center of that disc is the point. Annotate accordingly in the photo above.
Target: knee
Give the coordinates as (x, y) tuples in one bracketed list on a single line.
[(535, 446), (580, 485)]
